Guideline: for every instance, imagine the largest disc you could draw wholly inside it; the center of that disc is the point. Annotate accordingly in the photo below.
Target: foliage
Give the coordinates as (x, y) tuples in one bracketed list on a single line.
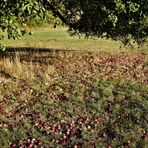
[(48, 20), (15, 13), (119, 20), (74, 101)]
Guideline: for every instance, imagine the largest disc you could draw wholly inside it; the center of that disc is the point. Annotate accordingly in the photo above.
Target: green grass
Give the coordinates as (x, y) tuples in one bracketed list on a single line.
[(60, 39)]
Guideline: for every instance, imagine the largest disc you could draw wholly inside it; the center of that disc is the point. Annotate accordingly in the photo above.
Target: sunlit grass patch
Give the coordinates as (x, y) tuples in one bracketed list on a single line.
[(60, 39)]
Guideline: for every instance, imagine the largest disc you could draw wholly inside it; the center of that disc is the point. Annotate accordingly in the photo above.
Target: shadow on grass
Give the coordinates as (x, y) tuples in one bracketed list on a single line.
[(28, 54)]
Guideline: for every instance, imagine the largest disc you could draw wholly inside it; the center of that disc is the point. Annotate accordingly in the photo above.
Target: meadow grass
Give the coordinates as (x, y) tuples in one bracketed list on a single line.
[(60, 39)]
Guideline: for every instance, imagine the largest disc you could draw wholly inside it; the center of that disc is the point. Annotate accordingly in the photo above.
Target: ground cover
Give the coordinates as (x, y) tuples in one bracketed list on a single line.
[(62, 98), (74, 100)]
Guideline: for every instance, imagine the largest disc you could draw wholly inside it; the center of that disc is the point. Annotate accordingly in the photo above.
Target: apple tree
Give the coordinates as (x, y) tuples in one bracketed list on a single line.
[(124, 20)]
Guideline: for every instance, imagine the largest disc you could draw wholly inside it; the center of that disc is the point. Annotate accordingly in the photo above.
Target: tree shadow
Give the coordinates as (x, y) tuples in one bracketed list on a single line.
[(27, 54)]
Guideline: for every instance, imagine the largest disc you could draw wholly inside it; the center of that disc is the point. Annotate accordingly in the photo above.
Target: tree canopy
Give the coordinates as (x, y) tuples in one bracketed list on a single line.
[(116, 19)]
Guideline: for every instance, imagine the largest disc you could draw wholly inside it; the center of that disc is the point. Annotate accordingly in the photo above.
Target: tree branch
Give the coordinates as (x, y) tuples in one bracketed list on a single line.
[(57, 13)]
